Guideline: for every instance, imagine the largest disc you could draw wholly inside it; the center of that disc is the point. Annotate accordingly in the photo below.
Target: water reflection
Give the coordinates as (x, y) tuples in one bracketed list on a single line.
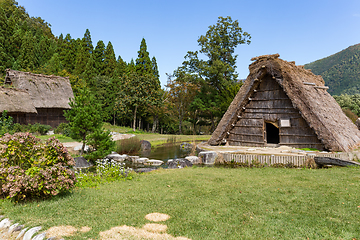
[(166, 152)]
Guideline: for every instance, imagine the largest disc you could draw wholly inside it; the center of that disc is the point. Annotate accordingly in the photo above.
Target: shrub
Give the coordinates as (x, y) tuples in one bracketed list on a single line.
[(36, 128), (39, 128), (6, 123), (32, 169), (101, 144), (127, 146), (106, 171), (63, 129)]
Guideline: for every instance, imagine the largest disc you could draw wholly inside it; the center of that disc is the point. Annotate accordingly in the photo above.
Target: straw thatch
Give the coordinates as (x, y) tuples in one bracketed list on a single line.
[(15, 101), (45, 91), (303, 97)]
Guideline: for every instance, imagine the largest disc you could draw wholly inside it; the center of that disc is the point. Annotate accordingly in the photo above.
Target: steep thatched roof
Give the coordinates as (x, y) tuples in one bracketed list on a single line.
[(45, 91), (307, 94), (15, 101)]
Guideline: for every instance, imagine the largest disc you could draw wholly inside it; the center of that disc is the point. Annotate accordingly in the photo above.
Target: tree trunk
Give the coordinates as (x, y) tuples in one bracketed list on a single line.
[(134, 122), (139, 127), (180, 119), (82, 148), (114, 118), (156, 119)]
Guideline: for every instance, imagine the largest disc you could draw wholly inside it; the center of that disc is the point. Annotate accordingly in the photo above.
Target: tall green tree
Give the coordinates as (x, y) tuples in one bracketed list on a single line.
[(67, 53), (109, 61), (84, 116), (87, 41), (137, 92), (83, 53), (155, 69), (99, 57), (217, 73), (120, 67), (143, 62)]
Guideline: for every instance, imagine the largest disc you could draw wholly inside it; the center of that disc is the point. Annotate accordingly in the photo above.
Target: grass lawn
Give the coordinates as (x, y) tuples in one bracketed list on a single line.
[(212, 203), (158, 139)]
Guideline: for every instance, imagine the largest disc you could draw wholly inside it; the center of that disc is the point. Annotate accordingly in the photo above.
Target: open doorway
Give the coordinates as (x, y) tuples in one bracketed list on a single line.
[(272, 133)]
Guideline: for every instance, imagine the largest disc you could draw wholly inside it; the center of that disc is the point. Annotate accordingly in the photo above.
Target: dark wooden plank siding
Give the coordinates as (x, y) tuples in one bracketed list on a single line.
[(269, 103), (47, 116)]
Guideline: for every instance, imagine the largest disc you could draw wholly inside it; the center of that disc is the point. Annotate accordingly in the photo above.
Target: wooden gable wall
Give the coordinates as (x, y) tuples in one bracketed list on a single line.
[(270, 104)]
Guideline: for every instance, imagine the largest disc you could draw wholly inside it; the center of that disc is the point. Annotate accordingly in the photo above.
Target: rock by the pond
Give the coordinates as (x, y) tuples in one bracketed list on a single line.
[(208, 157), (117, 157), (145, 145), (194, 159), (179, 163), (143, 170), (133, 158), (141, 160), (186, 146), (81, 162), (153, 162)]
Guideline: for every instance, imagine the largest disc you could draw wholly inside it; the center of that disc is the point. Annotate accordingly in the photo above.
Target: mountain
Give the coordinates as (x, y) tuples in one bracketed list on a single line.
[(341, 71)]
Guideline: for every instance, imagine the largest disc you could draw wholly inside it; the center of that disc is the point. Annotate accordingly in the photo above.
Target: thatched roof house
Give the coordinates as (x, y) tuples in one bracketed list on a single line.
[(17, 103), (281, 103), (50, 95)]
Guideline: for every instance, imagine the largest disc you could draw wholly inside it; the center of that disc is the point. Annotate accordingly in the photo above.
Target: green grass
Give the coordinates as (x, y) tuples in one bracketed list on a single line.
[(213, 203), (158, 139)]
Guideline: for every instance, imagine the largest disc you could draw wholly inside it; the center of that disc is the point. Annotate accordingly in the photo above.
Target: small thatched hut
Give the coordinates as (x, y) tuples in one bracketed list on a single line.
[(281, 103), (50, 95)]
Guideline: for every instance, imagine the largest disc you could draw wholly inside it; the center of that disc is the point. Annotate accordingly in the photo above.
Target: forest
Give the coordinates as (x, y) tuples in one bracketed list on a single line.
[(129, 93)]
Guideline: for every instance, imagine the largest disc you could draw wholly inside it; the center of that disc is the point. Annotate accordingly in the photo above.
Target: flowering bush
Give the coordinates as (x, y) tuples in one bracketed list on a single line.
[(32, 169), (106, 171)]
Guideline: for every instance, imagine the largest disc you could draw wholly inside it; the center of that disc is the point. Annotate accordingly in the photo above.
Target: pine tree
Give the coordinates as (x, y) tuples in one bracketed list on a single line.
[(87, 41), (67, 53), (120, 67), (131, 68), (99, 56), (27, 52), (109, 61), (155, 68), (90, 71), (143, 62), (84, 50)]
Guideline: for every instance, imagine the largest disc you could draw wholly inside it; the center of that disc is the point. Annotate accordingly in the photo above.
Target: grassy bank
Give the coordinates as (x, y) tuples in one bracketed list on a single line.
[(213, 203)]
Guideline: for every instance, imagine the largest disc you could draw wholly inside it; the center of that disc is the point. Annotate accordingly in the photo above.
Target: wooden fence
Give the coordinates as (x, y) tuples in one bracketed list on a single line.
[(283, 159)]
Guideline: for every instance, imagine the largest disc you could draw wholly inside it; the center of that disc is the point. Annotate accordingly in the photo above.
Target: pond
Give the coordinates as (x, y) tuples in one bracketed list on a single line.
[(163, 153), (166, 152)]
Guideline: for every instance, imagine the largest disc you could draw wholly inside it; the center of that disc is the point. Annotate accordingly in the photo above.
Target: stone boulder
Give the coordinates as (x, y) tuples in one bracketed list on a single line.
[(208, 157), (186, 146), (145, 145), (81, 162), (117, 157), (357, 123), (141, 160), (179, 163), (194, 159), (153, 162)]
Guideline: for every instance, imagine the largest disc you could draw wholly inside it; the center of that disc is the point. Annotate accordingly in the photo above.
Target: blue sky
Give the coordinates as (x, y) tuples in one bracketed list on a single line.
[(300, 31)]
